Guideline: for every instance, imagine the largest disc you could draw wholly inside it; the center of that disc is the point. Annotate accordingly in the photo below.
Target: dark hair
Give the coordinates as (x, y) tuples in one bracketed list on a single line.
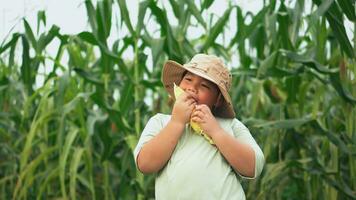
[(181, 78)]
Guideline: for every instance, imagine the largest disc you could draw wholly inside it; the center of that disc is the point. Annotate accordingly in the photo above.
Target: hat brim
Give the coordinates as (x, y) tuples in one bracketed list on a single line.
[(172, 72)]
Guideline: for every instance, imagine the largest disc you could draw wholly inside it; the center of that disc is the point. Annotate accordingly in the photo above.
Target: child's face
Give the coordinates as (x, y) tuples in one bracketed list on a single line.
[(203, 91)]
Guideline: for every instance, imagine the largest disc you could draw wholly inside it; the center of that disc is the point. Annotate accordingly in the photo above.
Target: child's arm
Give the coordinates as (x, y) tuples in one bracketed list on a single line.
[(239, 155), (156, 152)]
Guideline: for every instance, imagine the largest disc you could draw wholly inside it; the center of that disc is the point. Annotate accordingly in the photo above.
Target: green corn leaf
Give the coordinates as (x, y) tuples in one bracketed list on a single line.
[(88, 37), (240, 27), (52, 174), (91, 17), (345, 94), (12, 54), (244, 72), (256, 96), (141, 15), (274, 92), (283, 18), (157, 49), (348, 7), (258, 41), (334, 17), (35, 125), (131, 141), (125, 16), (188, 48), (26, 72), (107, 15), (266, 64), (84, 181), (88, 76), (322, 9), (93, 118), (207, 4), (13, 41), (321, 41), (194, 10), (334, 138), (308, 62), (284, 124), (73, 104), (28, 173), (103, 31), (244, 31), (126, 97), (216, 29), (176, 8), (171, 45), (292, 87), (340, 186), (75, 57), (30, 35), (152, 84), (64, 157), (74, 165), (41, 17), (45, 39), (182, 27), (280, 72)]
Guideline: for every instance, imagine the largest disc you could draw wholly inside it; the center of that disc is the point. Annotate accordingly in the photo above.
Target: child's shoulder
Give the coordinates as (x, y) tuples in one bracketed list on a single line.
[(231, 122), (227, 120), (160, 118)]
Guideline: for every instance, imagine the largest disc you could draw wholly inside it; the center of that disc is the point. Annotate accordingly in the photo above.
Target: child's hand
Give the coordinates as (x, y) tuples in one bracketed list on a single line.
[(203, 116), (183, 108)]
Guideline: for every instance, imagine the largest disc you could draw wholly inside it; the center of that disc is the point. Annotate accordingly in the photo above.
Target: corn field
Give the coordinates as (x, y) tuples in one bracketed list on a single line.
[(71, 136)]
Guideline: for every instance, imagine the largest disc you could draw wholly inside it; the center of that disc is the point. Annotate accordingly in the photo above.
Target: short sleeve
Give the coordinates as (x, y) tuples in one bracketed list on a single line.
[(152, 128), (242, 133)]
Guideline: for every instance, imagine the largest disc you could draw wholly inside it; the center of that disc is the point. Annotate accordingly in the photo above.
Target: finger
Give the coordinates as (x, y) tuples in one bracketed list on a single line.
[(204, 108), (198, 114), (197, 120), (191, 102)]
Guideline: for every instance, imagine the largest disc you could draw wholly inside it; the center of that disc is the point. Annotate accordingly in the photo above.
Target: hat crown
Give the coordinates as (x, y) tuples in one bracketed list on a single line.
[(213, 67)]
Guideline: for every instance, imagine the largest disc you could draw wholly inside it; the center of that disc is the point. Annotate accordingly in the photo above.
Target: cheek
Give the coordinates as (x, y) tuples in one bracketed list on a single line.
[(207, 98), (182, 85)]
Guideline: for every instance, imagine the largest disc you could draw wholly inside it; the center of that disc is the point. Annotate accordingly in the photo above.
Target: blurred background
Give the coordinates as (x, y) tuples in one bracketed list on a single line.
[(80, 79)]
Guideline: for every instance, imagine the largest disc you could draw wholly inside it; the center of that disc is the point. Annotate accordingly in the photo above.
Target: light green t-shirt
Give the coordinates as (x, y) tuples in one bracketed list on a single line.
[(196, 169)]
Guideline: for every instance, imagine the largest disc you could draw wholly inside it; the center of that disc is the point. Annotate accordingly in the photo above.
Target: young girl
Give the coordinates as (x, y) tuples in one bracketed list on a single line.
[(187, 165)]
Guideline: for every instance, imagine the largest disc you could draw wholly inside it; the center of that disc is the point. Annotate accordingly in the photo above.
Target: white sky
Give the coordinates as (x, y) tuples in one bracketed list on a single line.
[(70, 15)]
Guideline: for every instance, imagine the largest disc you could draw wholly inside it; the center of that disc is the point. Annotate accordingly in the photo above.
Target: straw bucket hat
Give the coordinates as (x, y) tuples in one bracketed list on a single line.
[(209, 67)]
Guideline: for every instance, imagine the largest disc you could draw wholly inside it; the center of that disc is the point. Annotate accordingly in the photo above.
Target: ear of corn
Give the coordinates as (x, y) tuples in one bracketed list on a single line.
[(195, 126)]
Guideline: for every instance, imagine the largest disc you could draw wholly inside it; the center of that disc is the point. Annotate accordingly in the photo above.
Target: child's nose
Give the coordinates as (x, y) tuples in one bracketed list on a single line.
[(191, 89), (193, 94)]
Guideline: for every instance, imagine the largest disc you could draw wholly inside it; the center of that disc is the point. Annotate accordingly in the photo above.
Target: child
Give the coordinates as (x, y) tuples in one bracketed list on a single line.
[(187, 165)]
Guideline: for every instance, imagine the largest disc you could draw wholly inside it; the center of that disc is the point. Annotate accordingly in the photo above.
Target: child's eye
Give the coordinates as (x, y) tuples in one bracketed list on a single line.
[(187, 78), (205, 86)]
